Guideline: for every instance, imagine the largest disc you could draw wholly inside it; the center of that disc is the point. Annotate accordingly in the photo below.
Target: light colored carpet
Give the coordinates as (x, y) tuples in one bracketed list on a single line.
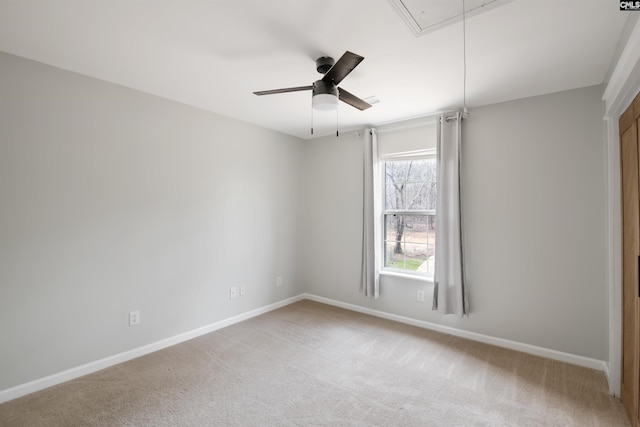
[(310, 364)]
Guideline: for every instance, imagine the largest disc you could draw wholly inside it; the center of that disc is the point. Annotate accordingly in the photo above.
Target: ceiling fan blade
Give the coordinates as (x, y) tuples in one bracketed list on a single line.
[(352, 100), (285, 90), (342, 68)]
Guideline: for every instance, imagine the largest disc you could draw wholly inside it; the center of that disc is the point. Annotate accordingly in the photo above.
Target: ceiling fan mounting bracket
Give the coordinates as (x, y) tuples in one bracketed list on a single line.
[(324, 64)]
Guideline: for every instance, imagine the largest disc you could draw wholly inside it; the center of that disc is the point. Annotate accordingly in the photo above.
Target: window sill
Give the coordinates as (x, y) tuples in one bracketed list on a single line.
[(407, 276)]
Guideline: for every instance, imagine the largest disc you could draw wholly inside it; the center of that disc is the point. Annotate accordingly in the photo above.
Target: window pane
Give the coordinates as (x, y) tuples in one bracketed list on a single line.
[(391, 223), (394, 229), (409, 239), (431, 195), (408, 242), (410, 184), (417, 195), (391, 258), (431, 245), (416, 170), (393, 199), (415, 228), (431, 179), (395, 184)]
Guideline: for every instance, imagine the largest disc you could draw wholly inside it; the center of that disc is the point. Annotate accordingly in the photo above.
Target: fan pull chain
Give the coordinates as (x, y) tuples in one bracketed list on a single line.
[(337, 123)]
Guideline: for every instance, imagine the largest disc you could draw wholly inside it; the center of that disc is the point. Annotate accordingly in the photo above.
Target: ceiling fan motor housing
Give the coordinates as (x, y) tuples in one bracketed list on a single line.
[(324, 64), (320, 87)]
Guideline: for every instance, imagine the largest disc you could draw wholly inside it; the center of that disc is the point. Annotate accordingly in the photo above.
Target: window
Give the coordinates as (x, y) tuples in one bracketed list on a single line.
[(409, 214)]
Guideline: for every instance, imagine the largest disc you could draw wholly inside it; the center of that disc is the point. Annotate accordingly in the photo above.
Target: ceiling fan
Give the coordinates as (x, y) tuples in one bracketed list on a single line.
[(325, 92)]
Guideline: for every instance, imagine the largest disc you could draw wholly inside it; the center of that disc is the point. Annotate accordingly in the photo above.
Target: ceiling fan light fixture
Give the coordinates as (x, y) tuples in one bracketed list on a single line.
[(325, 102), (325, 96)]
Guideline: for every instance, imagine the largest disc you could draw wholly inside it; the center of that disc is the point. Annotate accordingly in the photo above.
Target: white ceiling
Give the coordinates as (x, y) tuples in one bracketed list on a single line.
[(214, 54)]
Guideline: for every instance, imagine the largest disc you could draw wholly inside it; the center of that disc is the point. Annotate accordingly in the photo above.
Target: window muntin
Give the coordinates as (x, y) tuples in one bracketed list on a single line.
[(409, 215)]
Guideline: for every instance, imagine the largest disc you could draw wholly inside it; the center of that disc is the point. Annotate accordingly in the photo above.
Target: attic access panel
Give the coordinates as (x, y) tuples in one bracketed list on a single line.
[(425, 16)]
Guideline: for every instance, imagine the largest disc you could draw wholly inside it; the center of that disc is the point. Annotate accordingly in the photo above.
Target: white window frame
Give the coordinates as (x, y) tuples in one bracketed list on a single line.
[(430, 153)]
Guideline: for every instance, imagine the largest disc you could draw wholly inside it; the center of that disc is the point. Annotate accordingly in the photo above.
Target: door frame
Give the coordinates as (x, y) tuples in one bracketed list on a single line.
[(620, 91)]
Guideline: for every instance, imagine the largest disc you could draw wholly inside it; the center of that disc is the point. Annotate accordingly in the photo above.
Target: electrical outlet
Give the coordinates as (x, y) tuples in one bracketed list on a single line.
[(233, 292), (134, 317), (279, 281), (420, 296), (242, 291)]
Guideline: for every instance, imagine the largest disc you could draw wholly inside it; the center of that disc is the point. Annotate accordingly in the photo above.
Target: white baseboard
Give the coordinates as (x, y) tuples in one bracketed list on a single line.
[(73, 373), (513, 345), (79, 371), (606, 371)]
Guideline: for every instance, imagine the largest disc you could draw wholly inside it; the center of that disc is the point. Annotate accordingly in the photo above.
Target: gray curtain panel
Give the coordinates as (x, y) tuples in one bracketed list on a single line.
[(370, 277), (449, 293)]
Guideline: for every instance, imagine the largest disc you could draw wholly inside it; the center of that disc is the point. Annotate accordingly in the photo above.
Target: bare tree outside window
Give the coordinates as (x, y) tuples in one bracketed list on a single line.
[(409, 211)]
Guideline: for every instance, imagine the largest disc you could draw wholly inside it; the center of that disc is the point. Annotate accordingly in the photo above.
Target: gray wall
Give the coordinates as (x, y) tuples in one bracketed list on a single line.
[(113, 200), (534, 217)]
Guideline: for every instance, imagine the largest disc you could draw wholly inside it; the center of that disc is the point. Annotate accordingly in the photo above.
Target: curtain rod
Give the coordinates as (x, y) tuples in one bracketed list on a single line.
[(464, 115)]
